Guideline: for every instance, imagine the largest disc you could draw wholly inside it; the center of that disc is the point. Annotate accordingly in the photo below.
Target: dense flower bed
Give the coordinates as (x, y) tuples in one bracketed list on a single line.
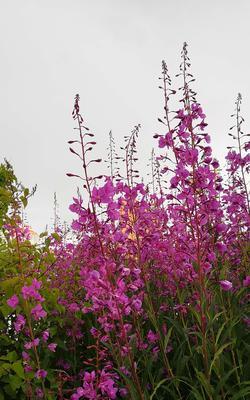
[(149, 298)]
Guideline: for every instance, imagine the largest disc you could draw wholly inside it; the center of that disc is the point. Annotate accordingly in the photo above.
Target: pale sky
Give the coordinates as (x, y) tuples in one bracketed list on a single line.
[(110, 52)]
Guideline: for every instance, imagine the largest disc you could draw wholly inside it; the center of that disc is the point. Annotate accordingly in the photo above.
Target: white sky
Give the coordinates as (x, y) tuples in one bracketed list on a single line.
[(110, 52)]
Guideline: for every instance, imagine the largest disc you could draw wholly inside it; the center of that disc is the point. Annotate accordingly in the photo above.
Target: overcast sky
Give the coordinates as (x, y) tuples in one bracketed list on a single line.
[(110, 52)]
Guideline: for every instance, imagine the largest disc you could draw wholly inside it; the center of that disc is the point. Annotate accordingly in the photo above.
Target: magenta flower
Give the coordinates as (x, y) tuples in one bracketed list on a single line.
[(39, 393), (25, 356), (13, 301), (211, 256), (152, 337), (75, 396), (73, 307), (80, 391), (107, 385), (221, 247), (137, 304), (45, 335), (246, 281), (226, 285), (247, 321), (19, 323), (31, 292), (123, 392), (41, 374), (52, 347), (28, 368), (38, 312), (34, 343)]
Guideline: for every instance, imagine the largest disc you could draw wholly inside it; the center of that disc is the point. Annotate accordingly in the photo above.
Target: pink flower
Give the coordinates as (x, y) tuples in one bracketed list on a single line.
[(75, 396), (34, 343), (80, 391), (39, 393), (107, 385), (88, 385), (73, 307), (221, 247), (28, 368), (220, 228), (137, 304), (31, 292), (38, 312), (247, 321), (41, 374), (13, 301), (226, 285), (211, 256), (123, 392), (165, 140), (45, 335), (52, 347), (36, 284), (19, 323), (152, 337), (246, 281), (25, 356)]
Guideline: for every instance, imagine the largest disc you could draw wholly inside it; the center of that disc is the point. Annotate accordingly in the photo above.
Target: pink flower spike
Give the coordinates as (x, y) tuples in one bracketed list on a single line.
[(226, 285), (13, 301)]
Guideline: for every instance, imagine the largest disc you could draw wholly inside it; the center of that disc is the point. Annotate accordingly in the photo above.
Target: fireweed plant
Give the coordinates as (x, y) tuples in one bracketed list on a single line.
[(149, 297)]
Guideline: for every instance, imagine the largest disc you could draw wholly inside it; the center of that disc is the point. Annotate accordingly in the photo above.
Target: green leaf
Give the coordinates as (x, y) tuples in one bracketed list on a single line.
[(197, 395), (240, 395), (1, 394), (4, 369), (156, 388), (56, 237), (217, 354), (24, 201), (11, 356), (224, 379), (5, 310), (7, 283), (18, 368), (43, 234), (219, 332), (15, 382), (204, 382), (129, 385), (167, 337)]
